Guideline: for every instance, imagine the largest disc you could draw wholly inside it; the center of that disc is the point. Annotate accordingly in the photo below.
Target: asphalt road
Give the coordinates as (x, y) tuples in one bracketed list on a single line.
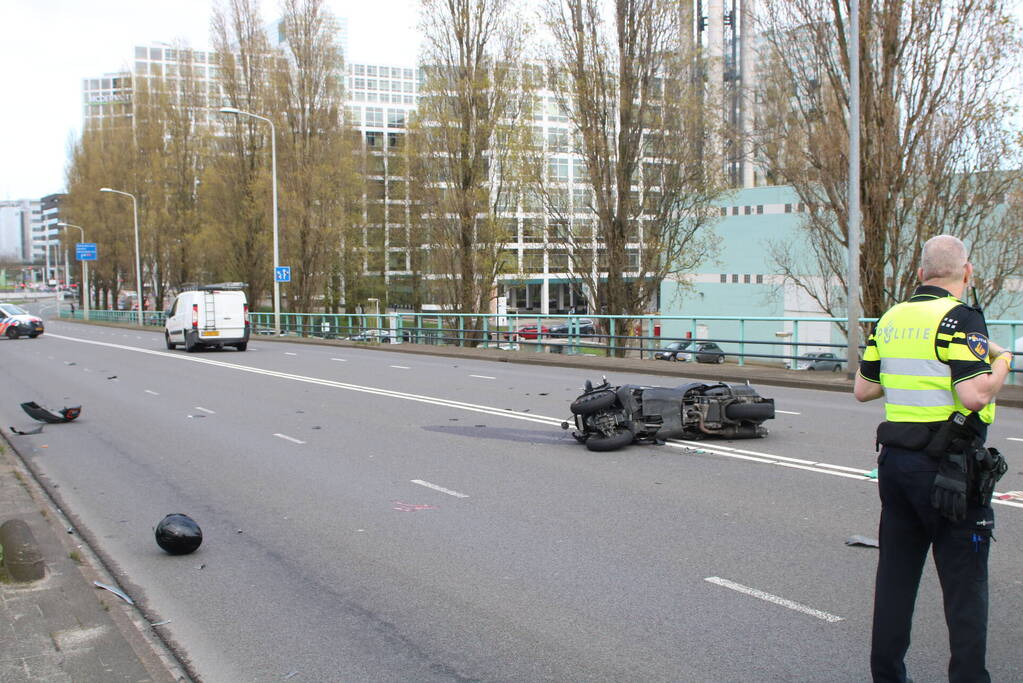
[(374, 516)]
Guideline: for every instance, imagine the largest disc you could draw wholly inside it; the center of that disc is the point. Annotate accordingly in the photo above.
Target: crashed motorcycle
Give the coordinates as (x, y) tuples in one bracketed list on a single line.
[(610, 417)]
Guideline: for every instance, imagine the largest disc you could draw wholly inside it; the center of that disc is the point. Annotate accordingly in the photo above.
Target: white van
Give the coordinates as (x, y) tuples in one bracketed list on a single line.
[(213, 315)]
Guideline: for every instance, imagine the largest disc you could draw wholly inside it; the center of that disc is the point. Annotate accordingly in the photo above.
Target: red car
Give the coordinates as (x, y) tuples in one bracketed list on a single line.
[(529, 331)]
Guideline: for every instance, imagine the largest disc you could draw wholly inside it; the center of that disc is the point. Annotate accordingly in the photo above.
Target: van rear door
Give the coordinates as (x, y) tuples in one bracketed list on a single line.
[(223, 311)]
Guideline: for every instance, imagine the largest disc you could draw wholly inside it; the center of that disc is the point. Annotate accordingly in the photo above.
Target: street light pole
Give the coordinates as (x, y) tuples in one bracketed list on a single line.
[(85, 272), (138, 262), (852, 353), (273, 163)]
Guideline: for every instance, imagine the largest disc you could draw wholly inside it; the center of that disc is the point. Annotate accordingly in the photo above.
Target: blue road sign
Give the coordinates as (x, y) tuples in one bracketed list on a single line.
[(282, 274), (86, 251)]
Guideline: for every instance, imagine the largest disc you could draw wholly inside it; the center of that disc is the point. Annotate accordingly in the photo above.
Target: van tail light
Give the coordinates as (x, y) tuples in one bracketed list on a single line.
[(195, 316), (246, 309)]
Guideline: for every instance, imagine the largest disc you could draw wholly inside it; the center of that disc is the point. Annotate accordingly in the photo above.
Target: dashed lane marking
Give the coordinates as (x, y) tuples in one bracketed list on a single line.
[(341, 360), (289, 353), (206, 410), (401, 367), (753, 592), (154, 393), (786, 412), (483, 376), (702, 446), (288, 438), (1012, 438), (428, 485)]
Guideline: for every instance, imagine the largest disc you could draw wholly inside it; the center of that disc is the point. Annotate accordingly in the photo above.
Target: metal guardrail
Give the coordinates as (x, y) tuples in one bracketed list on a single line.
[(608, 337)]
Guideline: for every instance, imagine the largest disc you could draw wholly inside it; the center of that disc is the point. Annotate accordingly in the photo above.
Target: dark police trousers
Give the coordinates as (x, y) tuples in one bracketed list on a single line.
[(909, 525)]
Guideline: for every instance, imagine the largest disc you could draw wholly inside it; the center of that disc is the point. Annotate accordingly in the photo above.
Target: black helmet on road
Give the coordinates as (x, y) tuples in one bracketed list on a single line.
[(178, 534)]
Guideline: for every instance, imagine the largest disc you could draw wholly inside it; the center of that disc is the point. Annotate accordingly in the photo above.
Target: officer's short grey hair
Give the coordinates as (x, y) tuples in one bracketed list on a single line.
[(943, 258)]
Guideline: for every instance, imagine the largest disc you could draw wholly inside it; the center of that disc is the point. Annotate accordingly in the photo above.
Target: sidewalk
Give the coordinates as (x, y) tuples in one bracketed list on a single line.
[(61, 627)]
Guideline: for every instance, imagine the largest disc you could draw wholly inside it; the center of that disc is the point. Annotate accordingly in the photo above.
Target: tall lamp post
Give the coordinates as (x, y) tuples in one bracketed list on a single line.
[(273, 162), (85, 271), (138, 265)]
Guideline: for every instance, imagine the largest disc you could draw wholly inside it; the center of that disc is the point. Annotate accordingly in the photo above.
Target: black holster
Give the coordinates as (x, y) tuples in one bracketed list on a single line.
[(988, 467), (957, 440)]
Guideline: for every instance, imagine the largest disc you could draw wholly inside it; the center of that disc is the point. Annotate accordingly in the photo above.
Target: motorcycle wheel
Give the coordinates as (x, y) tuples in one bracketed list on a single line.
[(601, 444), (587, 404)]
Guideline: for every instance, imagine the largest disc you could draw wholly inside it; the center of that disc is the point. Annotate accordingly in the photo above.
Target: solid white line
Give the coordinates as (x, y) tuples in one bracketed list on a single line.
[(483, 376), (343, 360), (289, 353), (428, 485), (401, 367), (289, 438), (206, 410), (150, 391), (753, 592), (716, 449), (786, 412)]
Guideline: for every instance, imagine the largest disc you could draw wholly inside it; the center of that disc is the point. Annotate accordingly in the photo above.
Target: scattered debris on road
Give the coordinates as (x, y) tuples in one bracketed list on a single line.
[(37, 430), (37, 412), (116, 591), (864, 541)]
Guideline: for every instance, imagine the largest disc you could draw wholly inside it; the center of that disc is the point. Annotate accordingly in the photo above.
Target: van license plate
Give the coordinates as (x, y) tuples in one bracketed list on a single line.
[(211, 333)]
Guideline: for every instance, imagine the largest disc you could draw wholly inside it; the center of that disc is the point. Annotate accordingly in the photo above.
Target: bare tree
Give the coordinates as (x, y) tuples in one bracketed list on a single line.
[(236, 190), (634, 96), (935, 144), (459, 170), (316, 152)]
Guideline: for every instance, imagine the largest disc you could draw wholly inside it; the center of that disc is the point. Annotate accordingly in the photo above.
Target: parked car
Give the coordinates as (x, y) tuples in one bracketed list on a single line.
[(705, 352), (583, 327), (821, 361), (16, 321), (212, 315), (530, 331)]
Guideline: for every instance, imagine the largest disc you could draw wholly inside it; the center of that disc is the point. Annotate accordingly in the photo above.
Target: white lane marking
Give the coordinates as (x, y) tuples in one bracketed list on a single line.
[(428, 485), (483, 376), (288, 438), (1012, 438), (343, 360), (716, 449), (289, 353), (150, 391), (753, 592), (206, 410), (401, 367), (786, 412)]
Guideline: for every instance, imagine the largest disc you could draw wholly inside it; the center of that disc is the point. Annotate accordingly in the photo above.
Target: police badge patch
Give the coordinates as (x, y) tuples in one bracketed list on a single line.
[(978, 345)]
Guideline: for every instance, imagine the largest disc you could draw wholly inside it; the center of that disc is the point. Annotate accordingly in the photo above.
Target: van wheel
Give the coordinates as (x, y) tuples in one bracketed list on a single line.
[(241, 346), (170, 345)]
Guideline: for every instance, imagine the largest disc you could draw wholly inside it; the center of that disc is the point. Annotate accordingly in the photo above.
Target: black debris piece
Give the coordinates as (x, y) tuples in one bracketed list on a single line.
[(112, 377), (30, 432), (42, 414), (864, 541), (178, 534)]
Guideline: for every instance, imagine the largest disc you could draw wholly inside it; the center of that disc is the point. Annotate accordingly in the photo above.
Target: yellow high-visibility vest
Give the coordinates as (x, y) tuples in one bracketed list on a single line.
[(916, 378)]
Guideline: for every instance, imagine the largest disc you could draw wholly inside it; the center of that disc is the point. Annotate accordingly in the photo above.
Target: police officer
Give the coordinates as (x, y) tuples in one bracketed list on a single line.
[(930, 358)]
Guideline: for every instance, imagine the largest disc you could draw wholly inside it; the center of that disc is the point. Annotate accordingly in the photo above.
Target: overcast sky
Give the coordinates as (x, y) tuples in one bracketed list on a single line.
[(49, 46)]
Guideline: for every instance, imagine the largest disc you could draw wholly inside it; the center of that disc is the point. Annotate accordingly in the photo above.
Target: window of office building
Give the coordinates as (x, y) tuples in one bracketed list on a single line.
[(557, 169), (397, 260), (141, 68), (374, 116), (371, 71), (155, 53), (395, 118), (407, 73), (579, 170), (724, 277), (374, 139), (360, 70), (532, 230), (141, 53), (557, 139), (532, 261)]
